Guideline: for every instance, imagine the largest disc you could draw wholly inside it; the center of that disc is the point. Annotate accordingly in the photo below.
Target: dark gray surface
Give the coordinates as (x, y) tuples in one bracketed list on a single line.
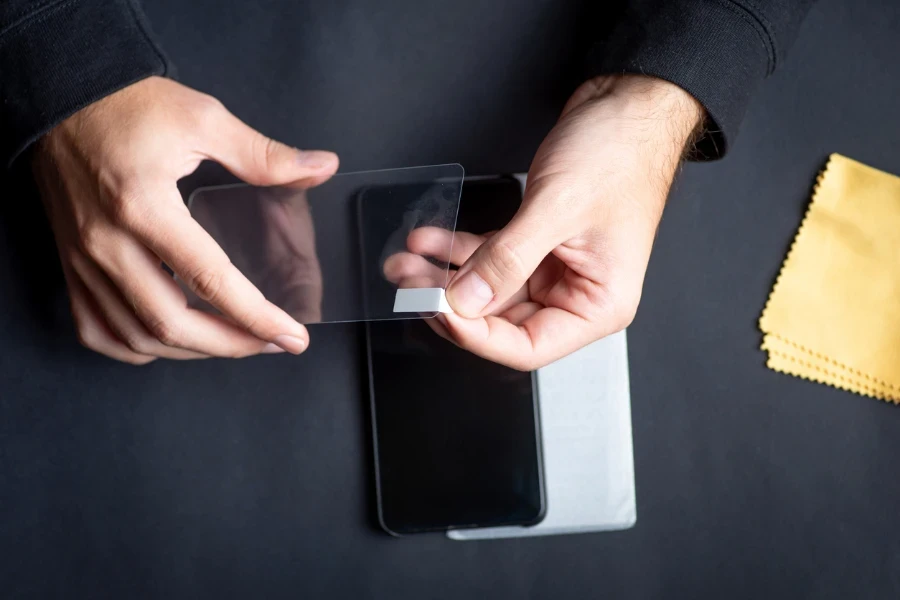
[(251, 478)]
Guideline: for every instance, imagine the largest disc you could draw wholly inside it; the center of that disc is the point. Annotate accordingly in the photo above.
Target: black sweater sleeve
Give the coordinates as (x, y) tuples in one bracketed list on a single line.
[(58, 56), (717, 50)]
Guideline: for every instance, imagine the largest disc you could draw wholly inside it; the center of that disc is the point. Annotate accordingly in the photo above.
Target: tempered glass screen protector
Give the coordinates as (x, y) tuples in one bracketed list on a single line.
[(364, 246)]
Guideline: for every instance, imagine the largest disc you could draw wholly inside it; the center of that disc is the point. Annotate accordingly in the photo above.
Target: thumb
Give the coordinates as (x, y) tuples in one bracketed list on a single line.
[(260, 160), (499, 267)]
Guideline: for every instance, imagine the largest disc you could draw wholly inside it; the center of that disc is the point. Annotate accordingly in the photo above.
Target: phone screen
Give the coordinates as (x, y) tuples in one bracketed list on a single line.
[(457, 440)]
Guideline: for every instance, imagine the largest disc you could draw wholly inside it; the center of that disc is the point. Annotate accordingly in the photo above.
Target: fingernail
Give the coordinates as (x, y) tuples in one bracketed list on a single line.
[(314, 159), (272, 349), (289, 343), (470, 295)]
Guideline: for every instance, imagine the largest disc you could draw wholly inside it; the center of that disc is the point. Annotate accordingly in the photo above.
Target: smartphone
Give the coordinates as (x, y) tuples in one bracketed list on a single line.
[(457, 440)]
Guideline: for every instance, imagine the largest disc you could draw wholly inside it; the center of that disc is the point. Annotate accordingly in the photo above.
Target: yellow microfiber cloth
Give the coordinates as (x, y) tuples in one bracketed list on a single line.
[(834, 313)]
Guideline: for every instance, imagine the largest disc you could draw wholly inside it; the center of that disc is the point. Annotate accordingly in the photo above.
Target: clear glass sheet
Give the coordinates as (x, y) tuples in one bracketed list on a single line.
[(340, 251)]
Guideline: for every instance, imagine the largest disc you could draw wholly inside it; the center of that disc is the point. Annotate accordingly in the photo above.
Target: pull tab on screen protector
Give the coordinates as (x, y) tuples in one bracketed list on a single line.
[(362, 246)]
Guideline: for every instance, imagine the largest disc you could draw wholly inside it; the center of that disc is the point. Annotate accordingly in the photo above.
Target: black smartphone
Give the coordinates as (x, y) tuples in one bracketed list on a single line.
[(456, 438)]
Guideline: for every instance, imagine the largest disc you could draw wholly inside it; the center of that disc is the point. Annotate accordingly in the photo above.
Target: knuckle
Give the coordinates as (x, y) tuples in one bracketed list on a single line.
[(271, 152), (249, 321), (207, 283), (506, 260), (137, 342), (93, 238), (166, 330), (211, 103), (265, 151), (127, 208), (208, 111)]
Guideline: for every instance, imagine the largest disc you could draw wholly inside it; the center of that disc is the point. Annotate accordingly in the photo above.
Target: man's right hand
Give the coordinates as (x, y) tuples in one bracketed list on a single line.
[(108, 177)]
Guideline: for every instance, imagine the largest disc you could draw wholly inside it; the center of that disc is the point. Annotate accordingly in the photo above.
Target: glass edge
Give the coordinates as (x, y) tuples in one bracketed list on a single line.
[(422, 317), (225, 186)]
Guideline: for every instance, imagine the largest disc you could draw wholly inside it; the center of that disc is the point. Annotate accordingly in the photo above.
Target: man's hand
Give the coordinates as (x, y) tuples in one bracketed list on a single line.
[(108, 179), (569, 268), (269, 235)]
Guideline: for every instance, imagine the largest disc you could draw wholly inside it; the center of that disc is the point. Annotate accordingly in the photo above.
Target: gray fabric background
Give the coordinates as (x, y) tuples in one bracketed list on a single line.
[(251, 478)]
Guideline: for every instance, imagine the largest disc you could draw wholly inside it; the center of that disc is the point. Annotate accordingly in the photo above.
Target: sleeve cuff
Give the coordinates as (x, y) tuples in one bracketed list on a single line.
[(64, 57), (714, 50)]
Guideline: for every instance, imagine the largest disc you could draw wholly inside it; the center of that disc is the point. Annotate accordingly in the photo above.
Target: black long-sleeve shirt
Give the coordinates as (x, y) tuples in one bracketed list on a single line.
[(57, 56)]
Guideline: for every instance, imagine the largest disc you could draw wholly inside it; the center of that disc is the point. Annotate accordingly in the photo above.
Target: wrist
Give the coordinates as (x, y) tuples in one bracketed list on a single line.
[(645, 98)]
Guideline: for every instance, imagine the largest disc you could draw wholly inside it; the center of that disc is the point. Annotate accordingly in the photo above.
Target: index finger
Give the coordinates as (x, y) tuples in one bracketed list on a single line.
[(206, 269)]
